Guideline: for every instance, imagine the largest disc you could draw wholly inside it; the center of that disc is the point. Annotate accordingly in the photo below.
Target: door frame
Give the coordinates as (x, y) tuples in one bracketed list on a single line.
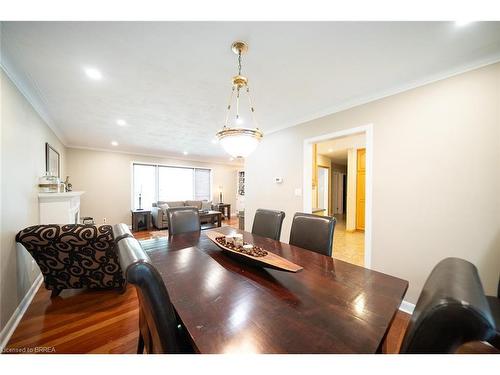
[(307, 177), (329, 187)]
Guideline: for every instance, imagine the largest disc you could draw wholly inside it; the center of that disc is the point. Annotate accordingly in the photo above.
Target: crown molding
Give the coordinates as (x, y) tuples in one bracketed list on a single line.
[(389, 92), (33, 99), (161, 156)]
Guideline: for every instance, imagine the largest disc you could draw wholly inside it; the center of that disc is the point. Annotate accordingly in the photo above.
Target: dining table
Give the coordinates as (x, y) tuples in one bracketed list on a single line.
[(230, 306)]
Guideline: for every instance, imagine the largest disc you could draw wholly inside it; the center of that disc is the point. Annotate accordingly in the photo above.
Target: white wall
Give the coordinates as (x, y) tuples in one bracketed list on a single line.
[(23, 137), (436, 175), (107, 181)]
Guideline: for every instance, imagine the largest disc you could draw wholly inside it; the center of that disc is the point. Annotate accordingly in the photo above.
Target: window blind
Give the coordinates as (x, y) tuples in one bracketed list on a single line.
[(202, 184)]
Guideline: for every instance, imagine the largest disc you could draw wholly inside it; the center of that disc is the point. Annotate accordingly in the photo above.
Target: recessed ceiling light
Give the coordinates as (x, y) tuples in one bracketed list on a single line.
[(93, 73), (114, 143), (462, 23), (121, 122), (185, 152)]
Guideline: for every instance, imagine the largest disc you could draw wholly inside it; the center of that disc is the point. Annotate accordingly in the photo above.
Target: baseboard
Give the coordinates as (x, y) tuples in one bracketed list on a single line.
[(16, 317), (407, 307)]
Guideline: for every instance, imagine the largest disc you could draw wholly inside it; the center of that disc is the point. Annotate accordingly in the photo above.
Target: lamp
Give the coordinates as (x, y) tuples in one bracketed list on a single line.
[(239, 142), (220, 193)]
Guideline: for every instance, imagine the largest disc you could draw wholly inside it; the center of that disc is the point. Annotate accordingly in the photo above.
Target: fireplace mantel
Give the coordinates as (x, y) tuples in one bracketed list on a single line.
[(60, 208)]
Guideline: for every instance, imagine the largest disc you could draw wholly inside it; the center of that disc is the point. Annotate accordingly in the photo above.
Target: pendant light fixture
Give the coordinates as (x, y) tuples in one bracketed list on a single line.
[(238, 140)]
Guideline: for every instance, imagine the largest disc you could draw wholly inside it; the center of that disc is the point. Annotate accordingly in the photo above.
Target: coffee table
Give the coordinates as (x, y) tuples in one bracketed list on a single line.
[(214, 217)]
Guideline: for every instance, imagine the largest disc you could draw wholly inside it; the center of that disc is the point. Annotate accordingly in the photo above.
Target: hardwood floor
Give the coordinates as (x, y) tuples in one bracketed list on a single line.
[(79, 321), (83, 321)]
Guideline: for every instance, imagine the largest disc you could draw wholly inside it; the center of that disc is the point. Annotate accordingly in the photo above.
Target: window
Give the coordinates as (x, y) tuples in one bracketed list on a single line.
[(144, 184), (165, 183), (175, 184)]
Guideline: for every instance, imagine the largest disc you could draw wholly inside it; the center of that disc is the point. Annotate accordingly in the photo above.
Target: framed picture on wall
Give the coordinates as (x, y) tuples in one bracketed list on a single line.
[(52, 161)]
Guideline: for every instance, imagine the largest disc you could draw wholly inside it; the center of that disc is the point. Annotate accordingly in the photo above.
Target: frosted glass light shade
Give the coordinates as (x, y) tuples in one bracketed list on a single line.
[(239, 142), (239, 146)]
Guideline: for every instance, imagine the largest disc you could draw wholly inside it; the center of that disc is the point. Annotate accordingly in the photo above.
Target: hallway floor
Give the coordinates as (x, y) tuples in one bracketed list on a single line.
[(348, 246)]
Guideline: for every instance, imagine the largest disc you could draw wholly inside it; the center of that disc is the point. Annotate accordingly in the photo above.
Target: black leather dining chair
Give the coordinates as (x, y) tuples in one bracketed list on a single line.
[(183, 220), (494, 303), (451, 310), (267, 223), (313, 232), (159, 328)]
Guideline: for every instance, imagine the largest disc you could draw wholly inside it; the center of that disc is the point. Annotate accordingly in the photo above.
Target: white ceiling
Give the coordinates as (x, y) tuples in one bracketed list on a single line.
[(170, 80)]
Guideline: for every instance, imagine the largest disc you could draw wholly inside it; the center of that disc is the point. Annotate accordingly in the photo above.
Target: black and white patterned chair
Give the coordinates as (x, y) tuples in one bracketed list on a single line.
[(76, 256)]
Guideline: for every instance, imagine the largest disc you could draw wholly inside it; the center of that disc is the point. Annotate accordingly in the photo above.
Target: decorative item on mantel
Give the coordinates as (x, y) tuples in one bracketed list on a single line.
[(68, 185), (87, 220), (48, 183)]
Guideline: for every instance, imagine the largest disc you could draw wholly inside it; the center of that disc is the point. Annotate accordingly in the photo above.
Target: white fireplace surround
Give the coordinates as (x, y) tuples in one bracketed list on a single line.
[(60, 208)]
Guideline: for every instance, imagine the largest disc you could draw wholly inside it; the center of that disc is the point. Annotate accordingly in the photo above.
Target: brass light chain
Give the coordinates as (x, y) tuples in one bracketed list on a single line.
[(226, 123), (239, 62), (238, 88), (252, 110)]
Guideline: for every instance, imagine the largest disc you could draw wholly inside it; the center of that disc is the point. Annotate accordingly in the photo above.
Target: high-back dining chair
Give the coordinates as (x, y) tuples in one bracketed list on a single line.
[(451, 310), (183, 220), (494, 302), (267, 223), (313, 232), (159, 329)]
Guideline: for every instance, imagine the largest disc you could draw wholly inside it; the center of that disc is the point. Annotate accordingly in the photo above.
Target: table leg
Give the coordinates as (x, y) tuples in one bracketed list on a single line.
[(219, 219), (149, 221)]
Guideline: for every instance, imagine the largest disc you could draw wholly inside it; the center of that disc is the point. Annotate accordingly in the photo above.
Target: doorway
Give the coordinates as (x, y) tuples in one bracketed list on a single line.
[(324, 189), (350, 201), (339, 192)]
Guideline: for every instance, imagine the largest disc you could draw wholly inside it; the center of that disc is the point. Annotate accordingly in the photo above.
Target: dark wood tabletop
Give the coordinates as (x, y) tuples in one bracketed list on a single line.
[(226, 306)]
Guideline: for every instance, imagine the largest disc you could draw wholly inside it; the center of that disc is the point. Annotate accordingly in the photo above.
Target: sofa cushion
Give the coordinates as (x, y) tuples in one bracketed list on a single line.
[(206, 205), (174, 204), (196, 204), (164, 207)]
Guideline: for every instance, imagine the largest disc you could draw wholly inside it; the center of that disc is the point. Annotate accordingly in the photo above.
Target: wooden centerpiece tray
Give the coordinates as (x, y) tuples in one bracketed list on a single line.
[(257, 256)]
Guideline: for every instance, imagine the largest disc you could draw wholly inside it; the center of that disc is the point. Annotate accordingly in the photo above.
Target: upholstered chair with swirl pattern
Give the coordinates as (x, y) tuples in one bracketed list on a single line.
[(75, 256)]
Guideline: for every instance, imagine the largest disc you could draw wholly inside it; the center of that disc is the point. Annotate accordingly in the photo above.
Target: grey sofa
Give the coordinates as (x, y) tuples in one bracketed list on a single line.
[(159, 214)]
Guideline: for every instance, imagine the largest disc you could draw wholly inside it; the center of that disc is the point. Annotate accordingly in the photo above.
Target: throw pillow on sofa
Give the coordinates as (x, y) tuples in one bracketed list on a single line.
[(164, 207), (206, 205)]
